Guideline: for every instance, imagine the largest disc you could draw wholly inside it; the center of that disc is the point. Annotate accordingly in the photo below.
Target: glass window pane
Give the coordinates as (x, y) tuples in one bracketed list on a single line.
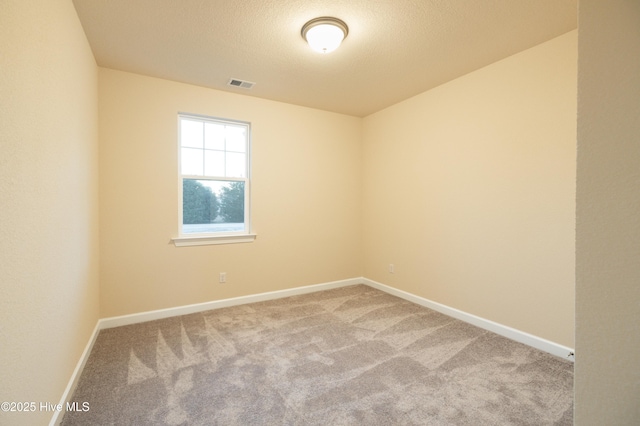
[(214, 163), (210, 206), (231, 197), (236, 165), (236, 139), (191, 133), (212, 151), (214, 136), (200, 206), (192, 161)]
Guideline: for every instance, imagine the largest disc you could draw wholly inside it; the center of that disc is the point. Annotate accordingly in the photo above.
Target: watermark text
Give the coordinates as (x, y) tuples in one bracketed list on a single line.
[(32, 406)]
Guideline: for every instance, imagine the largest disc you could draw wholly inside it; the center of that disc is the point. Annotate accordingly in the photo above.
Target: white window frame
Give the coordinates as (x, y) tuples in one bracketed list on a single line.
[(208, 238)]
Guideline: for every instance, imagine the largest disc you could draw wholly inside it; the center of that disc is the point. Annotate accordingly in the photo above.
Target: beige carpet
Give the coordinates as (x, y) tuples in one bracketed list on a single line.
[(349, 356)]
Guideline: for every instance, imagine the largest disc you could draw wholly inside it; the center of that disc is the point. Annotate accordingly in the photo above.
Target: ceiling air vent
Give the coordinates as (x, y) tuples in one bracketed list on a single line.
[(240, 83)]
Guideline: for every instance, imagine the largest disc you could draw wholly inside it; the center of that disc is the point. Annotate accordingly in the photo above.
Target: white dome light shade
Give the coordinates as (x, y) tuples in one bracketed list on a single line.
[(324, 35)]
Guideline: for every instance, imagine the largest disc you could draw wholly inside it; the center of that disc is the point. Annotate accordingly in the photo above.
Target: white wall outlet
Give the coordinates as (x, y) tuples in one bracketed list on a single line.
[(392, 268), (223, 277)]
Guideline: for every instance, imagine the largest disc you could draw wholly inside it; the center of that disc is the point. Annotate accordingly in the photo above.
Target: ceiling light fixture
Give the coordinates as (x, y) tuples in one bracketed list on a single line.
[(325, 34)]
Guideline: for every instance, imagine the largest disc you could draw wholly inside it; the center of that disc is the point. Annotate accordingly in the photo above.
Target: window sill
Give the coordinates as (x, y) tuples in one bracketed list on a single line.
[(212, 240)]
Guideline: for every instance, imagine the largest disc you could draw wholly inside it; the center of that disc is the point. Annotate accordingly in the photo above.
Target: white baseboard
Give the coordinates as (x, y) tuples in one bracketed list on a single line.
[(502, 330), (71, 386), (217, 304)]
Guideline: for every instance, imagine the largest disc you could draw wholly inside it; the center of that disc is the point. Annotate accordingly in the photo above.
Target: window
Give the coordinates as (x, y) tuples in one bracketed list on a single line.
[(214, 181)]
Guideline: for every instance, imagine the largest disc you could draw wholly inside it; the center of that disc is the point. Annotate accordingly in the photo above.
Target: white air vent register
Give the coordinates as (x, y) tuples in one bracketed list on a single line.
[(240, 83)]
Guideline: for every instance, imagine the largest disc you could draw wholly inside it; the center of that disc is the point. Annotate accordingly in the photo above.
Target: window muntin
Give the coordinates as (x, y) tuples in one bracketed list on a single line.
[(214, 176)]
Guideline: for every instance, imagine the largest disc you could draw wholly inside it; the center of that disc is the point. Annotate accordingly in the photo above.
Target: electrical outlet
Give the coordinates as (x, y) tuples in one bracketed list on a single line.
[(223, 277), (392, 268)]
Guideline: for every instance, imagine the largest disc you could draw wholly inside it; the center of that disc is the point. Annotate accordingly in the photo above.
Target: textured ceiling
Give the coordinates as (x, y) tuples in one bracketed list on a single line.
[(395, 48)]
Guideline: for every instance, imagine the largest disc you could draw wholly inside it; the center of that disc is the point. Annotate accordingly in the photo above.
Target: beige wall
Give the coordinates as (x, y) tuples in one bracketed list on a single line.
[(469, 190), (306, 204), (607, 387), (48, 201)]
